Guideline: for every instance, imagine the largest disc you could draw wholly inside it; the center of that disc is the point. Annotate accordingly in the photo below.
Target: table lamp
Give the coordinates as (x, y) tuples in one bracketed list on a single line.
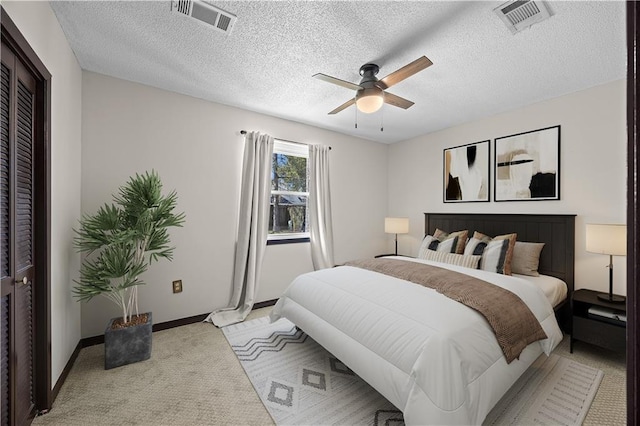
[(612, 240), (396, 225)]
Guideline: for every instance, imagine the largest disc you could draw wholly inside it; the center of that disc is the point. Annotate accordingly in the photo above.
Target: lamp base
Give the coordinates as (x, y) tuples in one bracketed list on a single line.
[(611, 298)]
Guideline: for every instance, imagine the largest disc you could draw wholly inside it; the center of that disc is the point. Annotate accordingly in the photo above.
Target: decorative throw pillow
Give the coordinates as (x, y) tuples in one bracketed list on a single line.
[(526, 258), (453, 259), (497, 252), (428, 243), (454, 241), (476, 246), (443, 242)]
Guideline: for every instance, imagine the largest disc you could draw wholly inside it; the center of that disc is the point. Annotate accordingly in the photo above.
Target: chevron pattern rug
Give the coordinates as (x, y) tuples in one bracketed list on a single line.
[(299, 382)]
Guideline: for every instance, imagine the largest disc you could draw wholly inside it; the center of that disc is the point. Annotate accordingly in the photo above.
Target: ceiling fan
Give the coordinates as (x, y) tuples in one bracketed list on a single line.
[(371, 92)]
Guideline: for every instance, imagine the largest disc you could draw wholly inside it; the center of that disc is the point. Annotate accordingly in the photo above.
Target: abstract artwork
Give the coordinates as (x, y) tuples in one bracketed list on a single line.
[(466, 173), (527, 166)]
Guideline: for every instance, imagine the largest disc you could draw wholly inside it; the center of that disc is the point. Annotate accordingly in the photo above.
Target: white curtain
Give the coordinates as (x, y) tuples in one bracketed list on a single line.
[(321, 233), (253, 227)]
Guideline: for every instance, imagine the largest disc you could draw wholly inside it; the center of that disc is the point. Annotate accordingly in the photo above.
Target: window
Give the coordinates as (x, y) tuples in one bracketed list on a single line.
[(288, 220)]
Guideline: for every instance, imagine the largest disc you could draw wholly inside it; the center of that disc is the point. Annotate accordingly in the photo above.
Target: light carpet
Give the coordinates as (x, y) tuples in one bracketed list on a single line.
[(299, 382)]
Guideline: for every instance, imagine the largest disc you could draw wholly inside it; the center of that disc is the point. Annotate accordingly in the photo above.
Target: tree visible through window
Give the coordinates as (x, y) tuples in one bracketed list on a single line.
[(289, 192)]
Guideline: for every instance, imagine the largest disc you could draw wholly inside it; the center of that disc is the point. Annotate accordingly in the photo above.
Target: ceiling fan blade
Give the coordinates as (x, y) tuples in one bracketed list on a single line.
[(405, 72), (343, 106), (337, 81), (397, 101)]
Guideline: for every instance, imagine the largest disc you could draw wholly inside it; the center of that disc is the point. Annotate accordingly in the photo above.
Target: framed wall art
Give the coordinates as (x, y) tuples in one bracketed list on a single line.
[(527, 166), (466, 173)]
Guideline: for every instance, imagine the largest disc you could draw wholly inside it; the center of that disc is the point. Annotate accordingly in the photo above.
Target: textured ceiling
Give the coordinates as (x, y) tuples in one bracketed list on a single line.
[(266, 62)]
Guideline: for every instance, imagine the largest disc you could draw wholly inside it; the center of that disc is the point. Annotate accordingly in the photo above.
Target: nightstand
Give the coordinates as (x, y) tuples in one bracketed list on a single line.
[(598, 330)]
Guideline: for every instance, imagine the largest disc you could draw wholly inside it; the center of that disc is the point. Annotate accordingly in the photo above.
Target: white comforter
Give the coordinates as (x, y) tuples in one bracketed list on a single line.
[(435, 359)]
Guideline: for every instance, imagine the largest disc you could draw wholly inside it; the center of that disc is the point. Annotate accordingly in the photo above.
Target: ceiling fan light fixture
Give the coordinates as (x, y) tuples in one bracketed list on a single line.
[(369, 100), (370, 93)]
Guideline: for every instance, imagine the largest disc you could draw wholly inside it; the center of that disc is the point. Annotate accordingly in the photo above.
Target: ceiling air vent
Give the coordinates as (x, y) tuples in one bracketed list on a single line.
[(205, 12), (521, 14)]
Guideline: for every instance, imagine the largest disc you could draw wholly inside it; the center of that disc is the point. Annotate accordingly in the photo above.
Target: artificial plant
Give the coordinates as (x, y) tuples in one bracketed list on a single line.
[(122, 239)]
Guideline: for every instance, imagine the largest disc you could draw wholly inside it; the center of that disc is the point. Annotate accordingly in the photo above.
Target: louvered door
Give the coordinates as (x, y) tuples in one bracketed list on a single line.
[(5, 243), (17, 117)]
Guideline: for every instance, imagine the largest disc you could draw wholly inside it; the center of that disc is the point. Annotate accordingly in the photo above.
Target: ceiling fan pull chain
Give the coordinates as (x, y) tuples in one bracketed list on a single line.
[(356, 117), (382, 114)]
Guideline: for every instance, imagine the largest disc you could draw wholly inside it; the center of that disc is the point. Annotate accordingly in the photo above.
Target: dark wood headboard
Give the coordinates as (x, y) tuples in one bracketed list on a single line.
[(557, 231)]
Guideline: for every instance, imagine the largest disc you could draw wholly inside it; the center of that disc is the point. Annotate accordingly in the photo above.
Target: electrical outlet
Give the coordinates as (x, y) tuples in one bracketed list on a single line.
[(177, 286)]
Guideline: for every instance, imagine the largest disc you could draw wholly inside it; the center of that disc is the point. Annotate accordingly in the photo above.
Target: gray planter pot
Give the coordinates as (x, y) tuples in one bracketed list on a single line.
[(127, 345)]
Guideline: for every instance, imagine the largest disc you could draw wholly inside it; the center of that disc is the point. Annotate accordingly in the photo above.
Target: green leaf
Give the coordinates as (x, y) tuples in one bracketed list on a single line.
[(116, 235)]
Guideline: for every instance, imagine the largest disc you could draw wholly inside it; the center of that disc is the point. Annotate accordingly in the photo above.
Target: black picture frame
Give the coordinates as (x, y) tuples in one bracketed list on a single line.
[(527, 166), (466, 171)]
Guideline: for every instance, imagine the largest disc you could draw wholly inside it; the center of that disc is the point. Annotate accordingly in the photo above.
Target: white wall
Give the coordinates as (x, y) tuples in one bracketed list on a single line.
[(593, 171), (196, 147), (39, 26)]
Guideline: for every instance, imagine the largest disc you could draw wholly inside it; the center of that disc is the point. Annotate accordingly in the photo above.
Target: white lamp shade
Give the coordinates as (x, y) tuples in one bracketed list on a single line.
[(607, 239), (369, 100), (396, 225)]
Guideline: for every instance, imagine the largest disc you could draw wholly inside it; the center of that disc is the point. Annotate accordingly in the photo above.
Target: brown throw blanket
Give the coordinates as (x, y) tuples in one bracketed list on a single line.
[(512, 321)]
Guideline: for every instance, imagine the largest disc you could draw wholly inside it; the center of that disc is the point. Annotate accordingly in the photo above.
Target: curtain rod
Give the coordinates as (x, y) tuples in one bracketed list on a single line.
[(244, 132)]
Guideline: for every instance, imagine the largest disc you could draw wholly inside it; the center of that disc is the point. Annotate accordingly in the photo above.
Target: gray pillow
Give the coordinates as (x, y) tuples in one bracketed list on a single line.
[(526, 258)]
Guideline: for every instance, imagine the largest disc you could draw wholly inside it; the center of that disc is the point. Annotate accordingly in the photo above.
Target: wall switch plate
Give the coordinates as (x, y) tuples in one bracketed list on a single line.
[(177, 286)]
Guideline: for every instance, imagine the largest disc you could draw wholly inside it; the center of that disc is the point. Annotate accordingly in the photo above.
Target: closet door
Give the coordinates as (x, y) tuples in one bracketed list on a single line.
[(17, 124), (5, 243)]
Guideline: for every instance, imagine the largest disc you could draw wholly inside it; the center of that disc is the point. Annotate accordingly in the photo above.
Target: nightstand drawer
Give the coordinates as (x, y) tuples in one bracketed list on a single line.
[(599, 333)]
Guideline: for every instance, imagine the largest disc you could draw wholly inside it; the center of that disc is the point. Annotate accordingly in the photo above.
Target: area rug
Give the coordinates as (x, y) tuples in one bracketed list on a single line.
[(553, 391), (299, 382)]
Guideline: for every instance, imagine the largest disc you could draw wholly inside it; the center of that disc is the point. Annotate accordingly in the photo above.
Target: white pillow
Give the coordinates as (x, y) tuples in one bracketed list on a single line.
[(496, 252), (475, 247), (428, 243), (493, 256), (444, 242)]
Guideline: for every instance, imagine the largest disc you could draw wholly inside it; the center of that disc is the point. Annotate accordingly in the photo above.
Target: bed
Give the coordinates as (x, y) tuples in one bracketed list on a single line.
[(557, 231), (433, 358)]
